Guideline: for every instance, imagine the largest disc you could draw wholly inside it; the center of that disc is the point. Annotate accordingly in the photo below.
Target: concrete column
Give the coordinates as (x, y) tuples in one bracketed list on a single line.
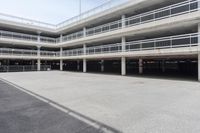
[(61, 61), (140, 66), (38, 37), (84, 65), (84, 32), (38, 60), (102, 65), (199, 67), (61, 38), (84, 60), (123, 66), (123, 41), (199, 50), (123, 21)]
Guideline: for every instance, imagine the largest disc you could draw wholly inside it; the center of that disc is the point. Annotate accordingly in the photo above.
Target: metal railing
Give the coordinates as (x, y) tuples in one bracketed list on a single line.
[(74, 52), (166, 12), (23, 68), (48, 40), (104, 28), (178, 41), (26, 21), (26, 37), (110, 48), (169, 11), (186, 40), (72, 36), (49, 54), (24, 52), (101, 8), (17, 52)]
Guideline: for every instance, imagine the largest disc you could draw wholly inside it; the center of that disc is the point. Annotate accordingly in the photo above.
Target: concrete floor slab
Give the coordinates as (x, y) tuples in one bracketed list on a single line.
[(127, 104)]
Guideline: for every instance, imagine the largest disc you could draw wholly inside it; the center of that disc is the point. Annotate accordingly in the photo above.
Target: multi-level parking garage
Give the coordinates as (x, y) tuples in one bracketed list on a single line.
[(130, 37)]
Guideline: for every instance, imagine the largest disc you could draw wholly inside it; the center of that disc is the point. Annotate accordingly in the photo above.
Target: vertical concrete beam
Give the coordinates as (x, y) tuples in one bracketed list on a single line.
[(84, 60), (123, 66), (123, 41), (140, 66), (84, 65), (102, 65), (123, 18), (199, 50), (38, 37), (61, 38), (199, 67), (84, 32), (38, 60), (61, 60)]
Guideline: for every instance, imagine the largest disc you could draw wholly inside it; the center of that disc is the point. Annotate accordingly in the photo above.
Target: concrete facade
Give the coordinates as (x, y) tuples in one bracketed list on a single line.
[(121, 33)]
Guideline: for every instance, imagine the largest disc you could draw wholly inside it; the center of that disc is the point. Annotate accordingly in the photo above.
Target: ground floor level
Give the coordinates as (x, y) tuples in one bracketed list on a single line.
[(187, 67), (105, 103)]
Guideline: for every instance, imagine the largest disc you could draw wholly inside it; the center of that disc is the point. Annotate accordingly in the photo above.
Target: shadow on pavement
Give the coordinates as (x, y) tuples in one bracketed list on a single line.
[(22, 112)]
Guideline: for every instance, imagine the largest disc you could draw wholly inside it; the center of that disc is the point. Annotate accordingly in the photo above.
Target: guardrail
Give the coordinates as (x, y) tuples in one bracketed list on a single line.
[(49, 54), (106, 6), (26, 37), (23, 68), (76, 19), (24, 52), (72, 36), (178, 41), (17, 52), (186, 40), (162, 13), (74, 52), (166, 12), (26, 21), (104, 28)]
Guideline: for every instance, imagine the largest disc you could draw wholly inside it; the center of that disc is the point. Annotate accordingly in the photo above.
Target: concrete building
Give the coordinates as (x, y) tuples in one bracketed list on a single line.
[(129, 37)]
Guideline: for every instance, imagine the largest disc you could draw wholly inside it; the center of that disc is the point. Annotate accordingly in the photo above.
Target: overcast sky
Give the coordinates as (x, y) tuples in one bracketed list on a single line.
[(50, 11)]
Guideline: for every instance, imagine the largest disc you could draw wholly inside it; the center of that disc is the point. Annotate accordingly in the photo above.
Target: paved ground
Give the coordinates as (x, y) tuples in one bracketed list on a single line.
[(127, 104), (22, 113)]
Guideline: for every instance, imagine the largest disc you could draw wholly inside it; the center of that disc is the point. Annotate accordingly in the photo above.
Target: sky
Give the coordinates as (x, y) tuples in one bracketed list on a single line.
[(50, 11)]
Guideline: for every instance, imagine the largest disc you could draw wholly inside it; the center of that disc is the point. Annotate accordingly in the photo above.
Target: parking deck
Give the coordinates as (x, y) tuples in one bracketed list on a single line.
[(126, 104)]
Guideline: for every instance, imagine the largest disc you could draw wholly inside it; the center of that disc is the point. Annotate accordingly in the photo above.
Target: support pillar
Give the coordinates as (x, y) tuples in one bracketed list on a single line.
[(199, 67), (140, 66), (61, 38), (61, 61), (102, 65), (84, 32), (123, 18), (199, 50), (123, 66), (84, 60), (123, 41), (38, 37), (84, 65), (38, 60)]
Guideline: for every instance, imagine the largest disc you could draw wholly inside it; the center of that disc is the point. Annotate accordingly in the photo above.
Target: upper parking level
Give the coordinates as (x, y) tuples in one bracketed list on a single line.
[(177, 9), (112, 9)]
